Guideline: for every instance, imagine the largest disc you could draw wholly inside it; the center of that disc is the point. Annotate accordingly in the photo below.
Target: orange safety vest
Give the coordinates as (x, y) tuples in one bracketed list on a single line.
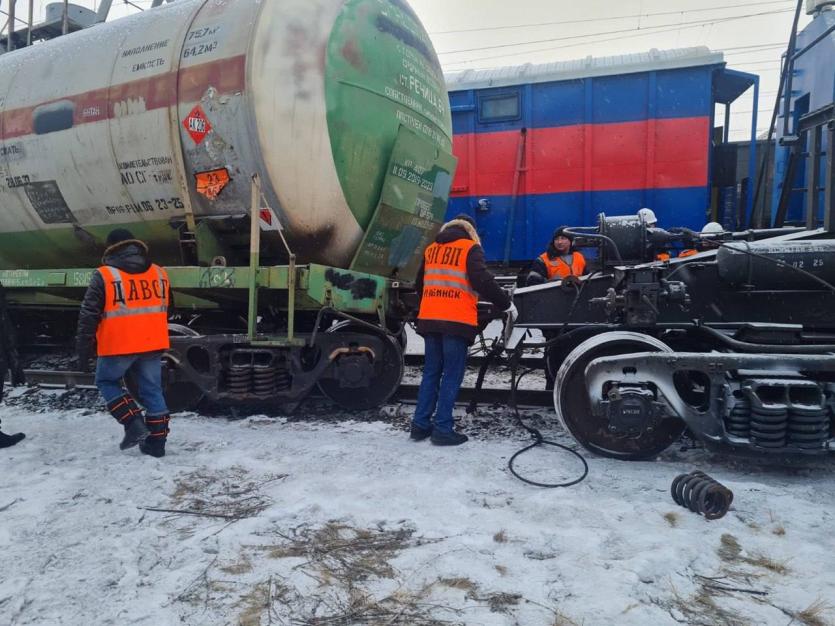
[(447, 294), (686, 253), (560, 269), (662, 256), (135, 316)]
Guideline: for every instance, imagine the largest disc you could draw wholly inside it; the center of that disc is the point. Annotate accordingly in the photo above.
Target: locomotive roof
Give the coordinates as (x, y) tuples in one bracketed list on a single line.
[(583, 68)]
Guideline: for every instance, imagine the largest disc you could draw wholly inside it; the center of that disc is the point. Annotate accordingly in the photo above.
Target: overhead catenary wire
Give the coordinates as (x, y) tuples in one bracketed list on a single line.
[(678, 26), (747, 5), (446, 64)]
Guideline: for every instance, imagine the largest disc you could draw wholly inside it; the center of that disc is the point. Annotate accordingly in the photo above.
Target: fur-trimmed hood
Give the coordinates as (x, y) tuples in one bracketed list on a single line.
[(130, 255), (448, 232)]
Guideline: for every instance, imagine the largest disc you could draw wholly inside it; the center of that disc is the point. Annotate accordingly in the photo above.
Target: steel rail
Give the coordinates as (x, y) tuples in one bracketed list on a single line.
[(406, 393)]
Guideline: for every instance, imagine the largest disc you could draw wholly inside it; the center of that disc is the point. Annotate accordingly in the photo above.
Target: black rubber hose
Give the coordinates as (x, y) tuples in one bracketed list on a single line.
[(482, 372), (770, 348), (539, 440)]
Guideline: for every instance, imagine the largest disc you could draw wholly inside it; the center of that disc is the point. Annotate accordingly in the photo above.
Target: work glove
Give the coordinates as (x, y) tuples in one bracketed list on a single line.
[(571, 281), (512, 313), (85, 358)]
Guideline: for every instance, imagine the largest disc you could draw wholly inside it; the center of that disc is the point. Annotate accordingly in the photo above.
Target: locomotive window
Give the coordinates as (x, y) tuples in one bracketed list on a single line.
[(499, 108)]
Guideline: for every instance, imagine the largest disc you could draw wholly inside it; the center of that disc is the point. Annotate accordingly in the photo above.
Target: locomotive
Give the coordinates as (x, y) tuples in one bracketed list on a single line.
[(287, 161)]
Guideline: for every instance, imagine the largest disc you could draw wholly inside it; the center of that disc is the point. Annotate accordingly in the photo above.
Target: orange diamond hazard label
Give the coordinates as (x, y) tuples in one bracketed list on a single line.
[(196, 124)]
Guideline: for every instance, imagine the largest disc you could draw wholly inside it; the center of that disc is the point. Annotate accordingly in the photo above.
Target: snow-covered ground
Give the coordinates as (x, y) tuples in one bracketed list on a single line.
[(329, 520)]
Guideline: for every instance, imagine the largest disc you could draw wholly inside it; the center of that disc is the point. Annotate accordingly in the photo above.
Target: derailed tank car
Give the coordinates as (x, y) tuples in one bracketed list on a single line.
[(736, 343), (327, 120)]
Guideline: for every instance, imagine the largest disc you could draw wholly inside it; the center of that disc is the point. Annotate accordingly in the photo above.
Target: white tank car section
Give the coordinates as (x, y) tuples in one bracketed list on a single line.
[(110, 125)]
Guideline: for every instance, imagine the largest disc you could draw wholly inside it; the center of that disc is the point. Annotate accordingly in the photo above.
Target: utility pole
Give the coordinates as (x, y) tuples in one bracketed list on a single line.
[(104, 10), (65, 26), (31, 22), (10, 37)]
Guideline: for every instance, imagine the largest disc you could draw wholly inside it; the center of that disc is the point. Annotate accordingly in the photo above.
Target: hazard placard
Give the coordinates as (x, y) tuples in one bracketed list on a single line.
[(212, 182), (197, 124), (268, 220)]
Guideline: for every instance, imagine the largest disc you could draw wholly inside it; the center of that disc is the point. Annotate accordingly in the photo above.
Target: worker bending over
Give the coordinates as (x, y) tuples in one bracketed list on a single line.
[(451, 281)]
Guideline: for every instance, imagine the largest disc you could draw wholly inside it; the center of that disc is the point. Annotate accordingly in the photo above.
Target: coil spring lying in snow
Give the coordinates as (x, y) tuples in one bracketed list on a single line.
[(701, 494)]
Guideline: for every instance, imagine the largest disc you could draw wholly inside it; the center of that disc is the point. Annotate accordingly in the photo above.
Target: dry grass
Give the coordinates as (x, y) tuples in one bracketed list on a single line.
[(236, 568), (563, 620), (336, 575), (230, 492), (772, 565), (337, 551), (729, 548), (780, 531), (701, 608), (814, 614), (465, 584), (731, 552), (253, 604), (500, 537), (498, 601), (671, 518)]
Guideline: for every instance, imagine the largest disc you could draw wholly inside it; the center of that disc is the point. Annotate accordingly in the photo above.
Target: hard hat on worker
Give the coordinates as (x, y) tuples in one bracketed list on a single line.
[(712, 228), (647, 216)]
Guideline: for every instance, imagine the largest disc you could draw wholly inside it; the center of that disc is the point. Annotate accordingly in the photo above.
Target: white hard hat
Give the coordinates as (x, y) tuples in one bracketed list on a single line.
[(712, 228), (647, 216)]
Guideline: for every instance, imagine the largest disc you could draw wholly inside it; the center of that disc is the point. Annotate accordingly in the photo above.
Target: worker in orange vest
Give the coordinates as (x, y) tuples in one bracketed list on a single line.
[(451, 281), (124, 320), (559, 261)]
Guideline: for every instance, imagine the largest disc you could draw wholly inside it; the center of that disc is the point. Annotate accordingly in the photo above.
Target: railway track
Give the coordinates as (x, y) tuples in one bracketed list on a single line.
[(475, 361), (407, 393)]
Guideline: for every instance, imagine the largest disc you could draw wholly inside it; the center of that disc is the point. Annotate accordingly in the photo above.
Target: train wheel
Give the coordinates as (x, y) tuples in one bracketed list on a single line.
[(381, 387), (573, 407)]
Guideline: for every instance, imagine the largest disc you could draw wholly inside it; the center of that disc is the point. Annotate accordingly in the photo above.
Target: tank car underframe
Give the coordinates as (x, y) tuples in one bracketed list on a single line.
[(356, 362), (357, 369)]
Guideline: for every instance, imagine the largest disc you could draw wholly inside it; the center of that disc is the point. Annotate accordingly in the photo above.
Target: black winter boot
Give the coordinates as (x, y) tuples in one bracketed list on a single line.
[(419, 434), (125, 410), (7, 441), (448, 439), (135, 432), (154, 445)]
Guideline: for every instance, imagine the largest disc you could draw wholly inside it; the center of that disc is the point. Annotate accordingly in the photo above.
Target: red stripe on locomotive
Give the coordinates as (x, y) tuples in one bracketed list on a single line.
[(648, 154)]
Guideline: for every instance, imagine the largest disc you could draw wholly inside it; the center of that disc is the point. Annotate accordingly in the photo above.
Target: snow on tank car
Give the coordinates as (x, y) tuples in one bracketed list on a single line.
[(328, 119)]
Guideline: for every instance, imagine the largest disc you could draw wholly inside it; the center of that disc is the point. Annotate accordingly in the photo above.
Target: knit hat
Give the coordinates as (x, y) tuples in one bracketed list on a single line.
[(466, 218), (563, 231), (118, 235)]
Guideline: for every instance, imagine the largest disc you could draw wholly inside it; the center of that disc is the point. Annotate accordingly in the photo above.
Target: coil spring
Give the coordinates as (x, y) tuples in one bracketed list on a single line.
[(283, 380), (701, 494), (738, 423), (769, 426), (808, 427), (239, 379), (263, 380)]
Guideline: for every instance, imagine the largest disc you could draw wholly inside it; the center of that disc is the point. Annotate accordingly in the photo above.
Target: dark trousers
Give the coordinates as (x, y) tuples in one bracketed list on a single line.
[(443, 372)]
